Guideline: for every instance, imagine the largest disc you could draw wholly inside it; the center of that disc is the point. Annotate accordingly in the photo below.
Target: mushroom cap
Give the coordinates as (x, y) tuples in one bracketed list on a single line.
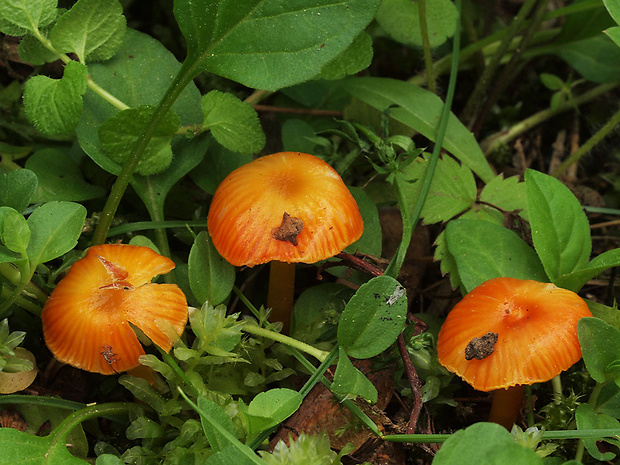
[(288, 206), (536, 333), (86, 320)]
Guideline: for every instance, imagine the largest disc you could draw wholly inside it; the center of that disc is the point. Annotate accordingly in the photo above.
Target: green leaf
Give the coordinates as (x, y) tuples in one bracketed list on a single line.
[(373, 318), (143, 391), (19, 447), (31, 50), (587, 418), (613, 8), (15, 232), (354, 59), (509, 194), (420, 109), (17, 188), (153, 190), (119, 133), (17, 17), (600, 346), (484, 443), (218, 426), (55, 105), (219, 164), (60, 178), (483, 250), (577, 279), (551, 81), (211, 278), (92, 29), (614, 34), (401, 20), (233, 123), (350, 382), (139, 74), (269, 44), (452, 191), (270, 408), (596, 58), (143, 427), (560, 229), (370, 241), (55, 229)]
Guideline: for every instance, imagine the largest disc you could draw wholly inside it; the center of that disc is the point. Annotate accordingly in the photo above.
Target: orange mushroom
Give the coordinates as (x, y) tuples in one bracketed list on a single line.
[(86, 320), (508, 333), (283, 208)]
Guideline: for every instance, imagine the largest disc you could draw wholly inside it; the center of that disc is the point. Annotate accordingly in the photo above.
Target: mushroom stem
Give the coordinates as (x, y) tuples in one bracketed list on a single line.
[(281, 292), (506, 406)]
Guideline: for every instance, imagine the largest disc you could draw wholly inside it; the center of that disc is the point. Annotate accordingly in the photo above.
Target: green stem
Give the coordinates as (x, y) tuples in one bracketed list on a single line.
[(476, 97), (16, 399), (252, 328), (556, 383), (409, 223), (428, 57), (152, 225), (21, 302), (179, 372), (95, 411), (495, 141), (589, 144), (180, 81), (12, 274)]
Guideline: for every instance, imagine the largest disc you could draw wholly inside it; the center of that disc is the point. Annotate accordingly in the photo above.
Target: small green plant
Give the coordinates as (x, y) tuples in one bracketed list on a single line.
[(107, 136)]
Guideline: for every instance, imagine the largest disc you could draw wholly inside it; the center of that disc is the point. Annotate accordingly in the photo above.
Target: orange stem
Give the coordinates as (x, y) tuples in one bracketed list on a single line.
[(506, 406), (281, 292)]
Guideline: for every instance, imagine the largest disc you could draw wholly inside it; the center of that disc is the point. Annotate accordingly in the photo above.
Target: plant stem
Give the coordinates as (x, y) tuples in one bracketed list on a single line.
[(281, 293), (506, 406), (477, 96), (409, 223), (21, 302), (252, 328), (589, 144), (496, 140), (428, 57), (152, 225), (12, 274), (180, 81)]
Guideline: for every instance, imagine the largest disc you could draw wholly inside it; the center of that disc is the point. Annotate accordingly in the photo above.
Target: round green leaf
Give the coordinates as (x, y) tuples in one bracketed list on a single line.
[(211, 278), (373, 318)]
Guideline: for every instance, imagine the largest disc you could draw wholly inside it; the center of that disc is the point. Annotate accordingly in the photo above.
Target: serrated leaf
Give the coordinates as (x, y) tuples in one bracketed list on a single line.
[(55, 105), (139, 74), (350, 382), (483, 250), (401, 20), (211, 278), (560, 228), (509, 194), (420, 109), (59, 178), (31, 50), (17, 188), (92, 29), (269, 44), (119, 134), (354, 59), (452, 191), (17, 17), (55, 229), (233, 123), (373, 318)]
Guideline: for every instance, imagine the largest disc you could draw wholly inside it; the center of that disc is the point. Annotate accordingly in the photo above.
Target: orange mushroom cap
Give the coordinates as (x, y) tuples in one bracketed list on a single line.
[(86, 320), (513, 331), (288, 206)]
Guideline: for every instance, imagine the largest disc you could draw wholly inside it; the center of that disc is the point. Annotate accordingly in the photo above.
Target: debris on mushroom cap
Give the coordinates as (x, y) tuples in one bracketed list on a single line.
[(288, 206), (86, 320), (526, 329)]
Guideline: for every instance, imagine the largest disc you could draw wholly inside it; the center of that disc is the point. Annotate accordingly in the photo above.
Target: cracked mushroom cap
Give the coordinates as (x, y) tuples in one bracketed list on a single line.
[(511, 331), (288, 206), (87, 318)]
